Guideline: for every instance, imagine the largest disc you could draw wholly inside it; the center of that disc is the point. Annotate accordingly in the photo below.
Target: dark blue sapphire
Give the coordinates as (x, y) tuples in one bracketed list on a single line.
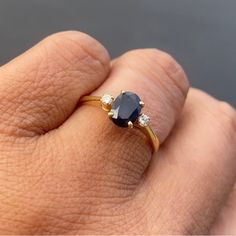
[(125, 108)]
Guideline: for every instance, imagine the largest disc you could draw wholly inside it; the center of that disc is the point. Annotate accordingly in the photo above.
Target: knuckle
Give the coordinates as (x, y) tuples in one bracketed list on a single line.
[(221, 113), (169, 63), (78, 45), (168, 67), (228, 116), (226, 109), (222, 118), (174, 72)]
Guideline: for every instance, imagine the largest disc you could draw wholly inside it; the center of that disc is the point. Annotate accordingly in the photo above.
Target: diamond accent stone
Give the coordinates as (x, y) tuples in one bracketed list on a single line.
[(106, 99), (143, 120)]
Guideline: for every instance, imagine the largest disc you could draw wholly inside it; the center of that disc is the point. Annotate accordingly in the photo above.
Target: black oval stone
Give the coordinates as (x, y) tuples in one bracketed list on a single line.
[(125, 108)]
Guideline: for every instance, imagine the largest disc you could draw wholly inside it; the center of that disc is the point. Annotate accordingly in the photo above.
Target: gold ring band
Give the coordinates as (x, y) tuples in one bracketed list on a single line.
[(140, 121)]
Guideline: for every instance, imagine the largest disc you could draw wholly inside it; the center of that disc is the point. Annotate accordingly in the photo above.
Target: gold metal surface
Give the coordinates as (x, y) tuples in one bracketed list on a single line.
[(151, 135), (91, 99), (130, 124), (147, 130), (110, 114), (141, 103)]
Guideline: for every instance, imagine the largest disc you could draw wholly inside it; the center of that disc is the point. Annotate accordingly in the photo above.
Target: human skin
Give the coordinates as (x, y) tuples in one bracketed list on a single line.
[(67, 169)]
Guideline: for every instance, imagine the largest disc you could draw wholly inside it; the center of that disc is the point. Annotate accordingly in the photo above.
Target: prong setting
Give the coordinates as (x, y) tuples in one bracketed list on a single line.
[(125, 111), (143, 120), (110, 114), (141, 103), (106, 102), (130, 124)]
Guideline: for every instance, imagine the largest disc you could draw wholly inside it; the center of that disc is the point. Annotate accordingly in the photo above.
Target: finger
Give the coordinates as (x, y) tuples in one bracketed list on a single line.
[(195, 170), (40, 89), (123, 153)]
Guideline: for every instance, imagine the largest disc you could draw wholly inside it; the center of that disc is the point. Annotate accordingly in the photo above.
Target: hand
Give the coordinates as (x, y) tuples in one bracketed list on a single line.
[(69, 170)]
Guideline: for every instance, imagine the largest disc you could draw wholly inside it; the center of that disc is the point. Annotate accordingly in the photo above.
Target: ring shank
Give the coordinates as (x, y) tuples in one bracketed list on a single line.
[(147, 130), (151, 135), (90, 99)]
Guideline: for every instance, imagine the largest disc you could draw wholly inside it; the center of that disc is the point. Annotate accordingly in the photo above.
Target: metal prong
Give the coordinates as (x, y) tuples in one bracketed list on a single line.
[(130, 124), (141, 103), (110, 114), (122, 91)]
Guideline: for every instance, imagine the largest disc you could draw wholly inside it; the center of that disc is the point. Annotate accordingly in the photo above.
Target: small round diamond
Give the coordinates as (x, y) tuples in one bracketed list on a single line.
[(143, 120), (106, 99)]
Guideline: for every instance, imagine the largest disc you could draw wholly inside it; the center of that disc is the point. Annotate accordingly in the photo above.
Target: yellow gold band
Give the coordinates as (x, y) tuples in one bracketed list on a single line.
[(146, 129)]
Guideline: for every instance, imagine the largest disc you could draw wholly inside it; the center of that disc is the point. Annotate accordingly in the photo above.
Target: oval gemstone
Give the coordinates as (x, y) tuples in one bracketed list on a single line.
[(125, 108)]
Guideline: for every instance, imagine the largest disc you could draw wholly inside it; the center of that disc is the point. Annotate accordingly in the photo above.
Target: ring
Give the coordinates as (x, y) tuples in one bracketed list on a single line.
[(125, 111)]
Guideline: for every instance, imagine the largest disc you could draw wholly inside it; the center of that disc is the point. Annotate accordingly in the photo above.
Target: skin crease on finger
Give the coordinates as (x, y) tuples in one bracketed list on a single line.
[(50, 184), (63, 173), (38, 91), (195, 171), (115, 176), (40, 88), (86, 212)]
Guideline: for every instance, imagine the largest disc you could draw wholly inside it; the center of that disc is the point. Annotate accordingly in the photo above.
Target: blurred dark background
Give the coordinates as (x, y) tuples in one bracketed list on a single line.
[(200, 34)]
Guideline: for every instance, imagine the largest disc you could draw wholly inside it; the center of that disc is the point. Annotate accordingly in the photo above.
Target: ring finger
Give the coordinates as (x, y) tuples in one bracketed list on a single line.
[(121, 153)]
